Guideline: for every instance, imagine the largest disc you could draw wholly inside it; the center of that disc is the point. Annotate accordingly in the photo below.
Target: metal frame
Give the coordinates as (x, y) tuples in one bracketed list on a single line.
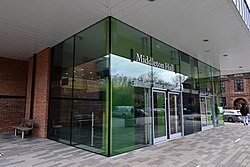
[(181, 115), (207, 126), (163, 138), (167, 115)]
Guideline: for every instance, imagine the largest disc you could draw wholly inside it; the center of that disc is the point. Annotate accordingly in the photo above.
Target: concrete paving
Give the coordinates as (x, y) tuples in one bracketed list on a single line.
[(224, 146)]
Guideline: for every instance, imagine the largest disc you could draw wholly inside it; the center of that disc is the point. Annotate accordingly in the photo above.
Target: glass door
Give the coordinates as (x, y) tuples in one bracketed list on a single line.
[(175, 114), (209, 111), (159, 115), (203, 108), (206, 112)]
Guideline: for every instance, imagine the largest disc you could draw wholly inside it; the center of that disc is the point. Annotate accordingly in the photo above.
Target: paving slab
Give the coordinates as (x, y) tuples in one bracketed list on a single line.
[(227, 145)]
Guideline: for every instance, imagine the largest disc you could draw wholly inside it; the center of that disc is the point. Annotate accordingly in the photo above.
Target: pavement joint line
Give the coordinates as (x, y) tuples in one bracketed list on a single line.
[(237, 140)]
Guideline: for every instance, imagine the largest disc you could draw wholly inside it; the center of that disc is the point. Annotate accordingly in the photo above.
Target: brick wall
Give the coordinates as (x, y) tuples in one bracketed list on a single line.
[(29, 88), (232, 95), (41, 93), (13, 76), (11, 110)]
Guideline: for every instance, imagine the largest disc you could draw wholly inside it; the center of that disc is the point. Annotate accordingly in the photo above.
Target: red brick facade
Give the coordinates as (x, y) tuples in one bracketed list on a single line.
[(233, 96), (20, 97), (13, 77), (41, 93), (29, 88)]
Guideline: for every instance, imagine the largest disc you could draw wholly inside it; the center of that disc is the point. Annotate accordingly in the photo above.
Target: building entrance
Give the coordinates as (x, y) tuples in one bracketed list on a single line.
[(159, 116), (175, 114), (167, 115), (206, 112)]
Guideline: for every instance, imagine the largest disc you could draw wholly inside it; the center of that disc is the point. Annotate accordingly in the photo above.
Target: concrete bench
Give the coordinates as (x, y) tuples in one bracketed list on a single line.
[(25, 125)]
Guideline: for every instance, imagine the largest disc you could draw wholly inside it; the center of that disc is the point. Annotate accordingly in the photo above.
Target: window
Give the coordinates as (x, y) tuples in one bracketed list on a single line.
[(222, 86), (238, 85), (223, 101)]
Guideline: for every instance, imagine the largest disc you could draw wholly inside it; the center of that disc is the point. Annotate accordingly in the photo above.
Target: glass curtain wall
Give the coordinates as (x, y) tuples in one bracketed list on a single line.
[(61, 91), (166, 77), (219, 119), (103, 81), (166, 68), (80, 89), (190, 83), (131, 88), (206, 94)]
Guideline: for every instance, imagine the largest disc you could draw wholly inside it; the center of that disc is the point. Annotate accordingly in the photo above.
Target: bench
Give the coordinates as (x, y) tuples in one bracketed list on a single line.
[(25, 125)]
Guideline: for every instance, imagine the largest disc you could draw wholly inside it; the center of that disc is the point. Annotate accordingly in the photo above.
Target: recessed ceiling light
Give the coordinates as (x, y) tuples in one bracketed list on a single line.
[(205, 40), (225, 55)]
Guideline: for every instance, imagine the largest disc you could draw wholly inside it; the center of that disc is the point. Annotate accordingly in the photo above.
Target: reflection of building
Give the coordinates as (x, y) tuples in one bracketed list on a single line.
[(235, 90), (112, 88), (103, 101)]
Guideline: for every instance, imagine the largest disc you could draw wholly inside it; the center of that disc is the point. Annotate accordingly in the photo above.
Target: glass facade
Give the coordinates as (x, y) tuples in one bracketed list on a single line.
[(130, 84), (79, 90), (190, 83), (219, 118), (114, 89)]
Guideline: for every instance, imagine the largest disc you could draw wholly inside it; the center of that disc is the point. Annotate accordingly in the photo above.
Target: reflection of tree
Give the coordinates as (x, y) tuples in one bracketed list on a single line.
[(183, 78), (120, 81), (122, 92), (177, 80)]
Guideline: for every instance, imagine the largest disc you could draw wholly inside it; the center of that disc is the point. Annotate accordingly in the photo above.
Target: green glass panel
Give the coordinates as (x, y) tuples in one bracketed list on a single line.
[(165, 66), (217, 93), (175, 113), (205, 78), (190, 83), (80, 89), (61, 91), (130, 85), (209, 111), (159, 114), (91, 66)]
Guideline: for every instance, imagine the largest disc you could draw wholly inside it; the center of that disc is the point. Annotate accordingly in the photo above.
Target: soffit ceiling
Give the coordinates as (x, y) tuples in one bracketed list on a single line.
[(28, 26)]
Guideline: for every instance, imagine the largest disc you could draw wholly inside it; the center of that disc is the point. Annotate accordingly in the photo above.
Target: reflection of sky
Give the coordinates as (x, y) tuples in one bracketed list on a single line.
[(248, 2), (165, 74), (124, 67)]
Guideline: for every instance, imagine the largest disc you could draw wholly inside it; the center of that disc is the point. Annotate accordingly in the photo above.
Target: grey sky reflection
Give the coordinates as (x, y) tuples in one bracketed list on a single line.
[(124, 67)]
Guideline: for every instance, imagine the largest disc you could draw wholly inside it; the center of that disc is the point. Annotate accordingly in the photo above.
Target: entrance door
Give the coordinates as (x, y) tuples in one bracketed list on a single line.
[(175, 114), (159, 115), (206, 112)]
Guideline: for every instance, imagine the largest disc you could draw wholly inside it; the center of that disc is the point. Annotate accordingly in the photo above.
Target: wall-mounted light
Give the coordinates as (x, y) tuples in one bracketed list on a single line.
[(225, 55), (205, 40)]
